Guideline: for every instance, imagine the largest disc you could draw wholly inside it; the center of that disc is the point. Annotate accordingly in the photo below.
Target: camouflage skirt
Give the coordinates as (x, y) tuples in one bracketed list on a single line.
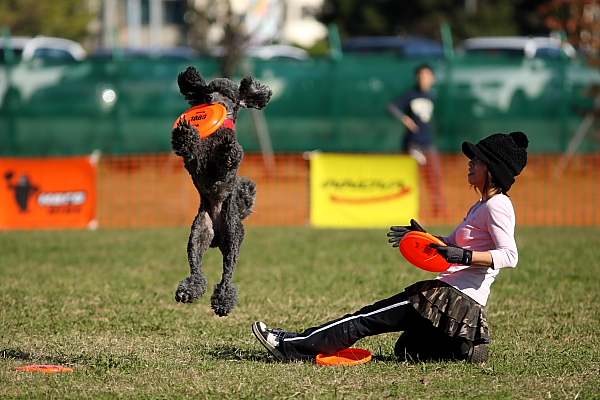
[(450, 310)]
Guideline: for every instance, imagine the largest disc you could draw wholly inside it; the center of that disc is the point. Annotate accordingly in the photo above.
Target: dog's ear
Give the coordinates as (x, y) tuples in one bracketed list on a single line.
[(254, 94), (192, 86)]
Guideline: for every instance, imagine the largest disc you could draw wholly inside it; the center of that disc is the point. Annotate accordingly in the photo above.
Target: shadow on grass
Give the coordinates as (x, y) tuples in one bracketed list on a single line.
[(15, 354), (20, 355), (227, 353), (387, 359), (99, 360), (221, 353)]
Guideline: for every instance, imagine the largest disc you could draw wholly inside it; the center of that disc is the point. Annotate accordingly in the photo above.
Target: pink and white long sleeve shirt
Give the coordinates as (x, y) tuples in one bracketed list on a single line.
[(488, 226)]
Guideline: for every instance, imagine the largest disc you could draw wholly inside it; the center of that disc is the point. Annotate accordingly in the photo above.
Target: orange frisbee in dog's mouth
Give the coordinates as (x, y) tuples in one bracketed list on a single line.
[(207, 118)]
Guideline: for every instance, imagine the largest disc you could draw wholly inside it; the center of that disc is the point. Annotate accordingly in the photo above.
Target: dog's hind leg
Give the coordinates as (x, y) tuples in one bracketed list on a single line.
[(201, 236), (225, 295)]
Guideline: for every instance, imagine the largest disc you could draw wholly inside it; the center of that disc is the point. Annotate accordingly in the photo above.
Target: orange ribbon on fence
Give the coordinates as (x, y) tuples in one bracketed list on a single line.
[(48, 193)]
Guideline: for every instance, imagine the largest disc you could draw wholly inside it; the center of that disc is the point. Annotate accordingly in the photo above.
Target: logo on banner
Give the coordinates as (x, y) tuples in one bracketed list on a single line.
[(364, 190), (24, 190)]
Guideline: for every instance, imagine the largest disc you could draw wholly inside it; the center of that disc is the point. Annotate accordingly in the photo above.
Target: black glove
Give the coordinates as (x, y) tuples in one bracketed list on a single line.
[(454, 254), (398, 232)]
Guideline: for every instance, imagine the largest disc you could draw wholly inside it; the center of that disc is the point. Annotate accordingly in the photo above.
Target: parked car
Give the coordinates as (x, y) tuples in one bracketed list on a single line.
[(277, 51), (162, 53), (402, 46), (28, 64), (503, 73), (516, 46), (43, 48), (266, 52)]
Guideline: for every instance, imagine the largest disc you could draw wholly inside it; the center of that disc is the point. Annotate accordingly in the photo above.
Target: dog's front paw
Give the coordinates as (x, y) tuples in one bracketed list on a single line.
[(224, 299), (184, 138), (228, 143), (230, 153), (191, 288)]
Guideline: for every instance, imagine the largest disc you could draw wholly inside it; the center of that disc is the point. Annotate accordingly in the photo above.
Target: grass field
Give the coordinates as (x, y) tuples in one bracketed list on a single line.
[(102, 302)]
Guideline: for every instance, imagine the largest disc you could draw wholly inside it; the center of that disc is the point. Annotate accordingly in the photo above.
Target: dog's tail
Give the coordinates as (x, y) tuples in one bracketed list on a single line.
[(246, 196)]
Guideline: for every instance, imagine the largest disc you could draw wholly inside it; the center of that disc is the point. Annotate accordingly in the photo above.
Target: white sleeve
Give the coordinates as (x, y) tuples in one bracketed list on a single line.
[(501, 226)]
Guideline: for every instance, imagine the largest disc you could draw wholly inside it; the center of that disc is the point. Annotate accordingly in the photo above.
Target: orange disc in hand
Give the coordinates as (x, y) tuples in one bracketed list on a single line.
[(414, 246), (207, 118)]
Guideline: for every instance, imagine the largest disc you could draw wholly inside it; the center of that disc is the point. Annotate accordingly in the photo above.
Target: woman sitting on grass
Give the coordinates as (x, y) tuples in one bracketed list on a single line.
[(444, 318)]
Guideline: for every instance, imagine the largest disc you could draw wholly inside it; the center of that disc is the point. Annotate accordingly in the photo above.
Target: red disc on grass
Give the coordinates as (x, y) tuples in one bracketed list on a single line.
[(345, 357), (45, 368), (207, 118), (414, 246)]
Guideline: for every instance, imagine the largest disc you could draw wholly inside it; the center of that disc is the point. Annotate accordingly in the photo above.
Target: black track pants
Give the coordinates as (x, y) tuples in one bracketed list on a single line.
[(391, 315)]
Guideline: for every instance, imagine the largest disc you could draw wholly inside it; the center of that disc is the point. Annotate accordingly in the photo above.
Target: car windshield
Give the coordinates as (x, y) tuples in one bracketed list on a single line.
[(496, 52), (53, 54), (547, 52), (400, 47)]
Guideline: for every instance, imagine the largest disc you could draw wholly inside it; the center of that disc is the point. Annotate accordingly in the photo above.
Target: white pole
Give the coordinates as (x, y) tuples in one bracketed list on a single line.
[(580, 134), (134, 22), (109, 23), (156, 19)]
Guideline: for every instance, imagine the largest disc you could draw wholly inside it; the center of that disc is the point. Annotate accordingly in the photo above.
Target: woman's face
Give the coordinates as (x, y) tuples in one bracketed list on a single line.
[(477, 173)]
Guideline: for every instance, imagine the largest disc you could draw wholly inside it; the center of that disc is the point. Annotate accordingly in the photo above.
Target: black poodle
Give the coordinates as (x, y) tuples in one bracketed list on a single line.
[(225, 199)]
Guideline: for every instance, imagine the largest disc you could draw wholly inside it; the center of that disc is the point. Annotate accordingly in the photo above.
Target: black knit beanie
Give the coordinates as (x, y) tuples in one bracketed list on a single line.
[(505, 155)]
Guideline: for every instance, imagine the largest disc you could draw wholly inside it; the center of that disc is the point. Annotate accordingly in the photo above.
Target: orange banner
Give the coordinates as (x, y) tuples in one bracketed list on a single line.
[(48, 193)]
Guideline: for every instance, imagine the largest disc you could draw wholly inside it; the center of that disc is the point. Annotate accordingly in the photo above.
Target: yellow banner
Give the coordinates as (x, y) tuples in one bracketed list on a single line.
[(363, 191)]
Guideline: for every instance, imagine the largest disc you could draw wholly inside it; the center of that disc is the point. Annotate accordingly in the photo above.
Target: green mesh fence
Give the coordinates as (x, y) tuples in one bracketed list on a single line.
[(129, 106)]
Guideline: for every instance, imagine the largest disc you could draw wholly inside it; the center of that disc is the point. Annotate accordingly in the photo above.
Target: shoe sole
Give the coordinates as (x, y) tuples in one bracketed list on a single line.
[(276, 353)]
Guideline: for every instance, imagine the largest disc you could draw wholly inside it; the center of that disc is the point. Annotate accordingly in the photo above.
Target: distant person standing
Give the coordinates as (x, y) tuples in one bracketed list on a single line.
[(415, 110)]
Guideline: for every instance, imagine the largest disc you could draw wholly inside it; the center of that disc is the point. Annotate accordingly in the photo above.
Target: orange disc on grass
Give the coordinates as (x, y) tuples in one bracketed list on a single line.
[(414, 246), (45, 368), (207, 118), (345, 357)]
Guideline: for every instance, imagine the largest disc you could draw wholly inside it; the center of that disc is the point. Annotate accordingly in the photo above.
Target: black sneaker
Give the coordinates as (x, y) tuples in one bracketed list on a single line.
[(269, 338), (479, 355)]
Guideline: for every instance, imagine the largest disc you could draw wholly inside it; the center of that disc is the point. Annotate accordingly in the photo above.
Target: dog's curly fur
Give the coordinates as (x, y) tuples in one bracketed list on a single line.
[(225, 199)]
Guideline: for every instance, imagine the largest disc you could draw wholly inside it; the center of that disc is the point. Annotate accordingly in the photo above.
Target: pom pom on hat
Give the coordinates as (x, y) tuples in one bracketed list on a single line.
[(505, 155), (520, 139)]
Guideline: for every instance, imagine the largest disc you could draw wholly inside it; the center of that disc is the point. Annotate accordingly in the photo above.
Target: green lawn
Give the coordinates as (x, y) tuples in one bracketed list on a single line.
[(102, 302)]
